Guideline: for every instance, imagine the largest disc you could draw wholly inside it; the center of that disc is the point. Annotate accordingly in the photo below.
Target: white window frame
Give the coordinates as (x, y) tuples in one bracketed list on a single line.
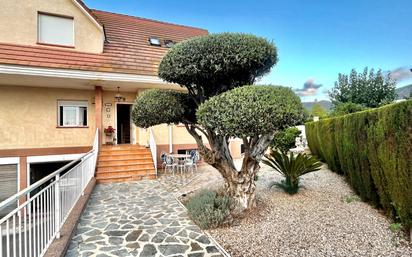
[(74, 103), (52, 43)]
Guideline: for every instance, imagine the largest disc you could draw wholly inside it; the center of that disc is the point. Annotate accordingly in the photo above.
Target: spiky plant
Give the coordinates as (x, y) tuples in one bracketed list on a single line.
[(291, 167)]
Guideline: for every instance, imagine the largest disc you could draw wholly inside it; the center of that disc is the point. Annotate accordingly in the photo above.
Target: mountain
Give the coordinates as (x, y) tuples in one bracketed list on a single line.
[(324, 103), (403, 92)]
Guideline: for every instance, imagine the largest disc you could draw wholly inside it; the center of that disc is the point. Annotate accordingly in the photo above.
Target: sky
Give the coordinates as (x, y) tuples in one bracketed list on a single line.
[(316, 40)]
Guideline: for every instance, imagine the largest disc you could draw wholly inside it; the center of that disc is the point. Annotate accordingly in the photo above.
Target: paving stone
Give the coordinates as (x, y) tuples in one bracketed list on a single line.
[(148, 250), (133, 236), (144, 238), (112, 226), (116, 233), (115, 240), (196, 255), (203, 239), (133, 245), (120, 252), (212, 249), (159, 237), (127, 227), (172, 230), (195, 247), (171, 249), (86, 247), (171, 239)]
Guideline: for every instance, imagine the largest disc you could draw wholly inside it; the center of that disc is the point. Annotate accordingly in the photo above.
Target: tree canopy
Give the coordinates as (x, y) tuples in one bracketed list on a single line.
[(156, 106), (251, 110), (212, 64), (369, 89)]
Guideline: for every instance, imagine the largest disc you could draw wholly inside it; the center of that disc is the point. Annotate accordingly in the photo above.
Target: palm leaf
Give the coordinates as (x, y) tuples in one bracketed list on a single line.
[(292, 167)]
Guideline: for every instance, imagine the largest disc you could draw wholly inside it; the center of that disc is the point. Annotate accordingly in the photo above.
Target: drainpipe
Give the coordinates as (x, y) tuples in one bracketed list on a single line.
[(170, 139)]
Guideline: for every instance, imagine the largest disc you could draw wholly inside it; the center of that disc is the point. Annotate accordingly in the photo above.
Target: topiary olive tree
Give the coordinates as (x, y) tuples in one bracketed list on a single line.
[(217, 105)]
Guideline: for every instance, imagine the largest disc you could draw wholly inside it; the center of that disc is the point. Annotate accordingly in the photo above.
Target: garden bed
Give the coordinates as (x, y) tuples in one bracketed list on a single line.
[(324, 219)]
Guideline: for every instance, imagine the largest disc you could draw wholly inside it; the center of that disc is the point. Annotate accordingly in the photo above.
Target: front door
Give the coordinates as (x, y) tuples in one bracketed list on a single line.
[(123, 123)]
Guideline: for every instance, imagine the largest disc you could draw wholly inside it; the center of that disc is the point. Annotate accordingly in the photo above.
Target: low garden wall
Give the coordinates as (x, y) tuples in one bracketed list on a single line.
[(373, 150)]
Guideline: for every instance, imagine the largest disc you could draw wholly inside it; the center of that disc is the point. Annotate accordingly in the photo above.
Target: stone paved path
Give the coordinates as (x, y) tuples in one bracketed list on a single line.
[(137, 219)]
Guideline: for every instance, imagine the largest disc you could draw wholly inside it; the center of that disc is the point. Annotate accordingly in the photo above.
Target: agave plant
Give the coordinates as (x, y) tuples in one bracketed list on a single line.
[(291, 167)]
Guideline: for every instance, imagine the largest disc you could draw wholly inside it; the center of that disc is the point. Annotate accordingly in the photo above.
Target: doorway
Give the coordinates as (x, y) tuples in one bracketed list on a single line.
[(123, 121)]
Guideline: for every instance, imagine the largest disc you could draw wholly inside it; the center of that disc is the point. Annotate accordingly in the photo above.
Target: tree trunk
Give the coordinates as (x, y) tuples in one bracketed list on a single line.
[(239, 185)]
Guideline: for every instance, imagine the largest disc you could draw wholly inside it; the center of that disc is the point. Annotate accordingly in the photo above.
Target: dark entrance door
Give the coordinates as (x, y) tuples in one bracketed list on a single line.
[(123, 123)]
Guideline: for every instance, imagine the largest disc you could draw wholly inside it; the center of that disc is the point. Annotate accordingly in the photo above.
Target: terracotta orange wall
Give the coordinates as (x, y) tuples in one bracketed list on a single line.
[(28, 117)]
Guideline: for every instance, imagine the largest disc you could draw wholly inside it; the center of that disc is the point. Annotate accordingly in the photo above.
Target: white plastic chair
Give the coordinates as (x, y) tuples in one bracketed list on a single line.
[(170, 165)]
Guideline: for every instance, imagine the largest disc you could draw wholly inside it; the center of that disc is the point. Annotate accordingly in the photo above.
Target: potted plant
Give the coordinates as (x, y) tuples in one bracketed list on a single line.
[(109, 131)]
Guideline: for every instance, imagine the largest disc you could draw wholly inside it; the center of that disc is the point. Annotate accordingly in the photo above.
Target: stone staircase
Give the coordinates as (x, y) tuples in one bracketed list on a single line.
[(123, 163)]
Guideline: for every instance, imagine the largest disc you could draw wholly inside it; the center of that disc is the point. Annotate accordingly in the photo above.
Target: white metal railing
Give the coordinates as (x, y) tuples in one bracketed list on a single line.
[(43, 207), (153, 148)]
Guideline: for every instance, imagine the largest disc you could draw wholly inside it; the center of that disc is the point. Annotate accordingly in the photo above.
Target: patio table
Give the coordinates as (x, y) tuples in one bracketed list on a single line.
[(180, 156)]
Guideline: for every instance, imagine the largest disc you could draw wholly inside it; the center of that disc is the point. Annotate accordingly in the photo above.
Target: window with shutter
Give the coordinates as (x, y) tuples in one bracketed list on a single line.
[(55, 30), (8, 186)]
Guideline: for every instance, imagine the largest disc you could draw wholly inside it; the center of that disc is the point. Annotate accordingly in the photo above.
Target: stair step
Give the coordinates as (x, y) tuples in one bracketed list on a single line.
[(143, 172), (122, 163), (124, 158), (125, 152), (125, 167), (124, 148), (117, 179)]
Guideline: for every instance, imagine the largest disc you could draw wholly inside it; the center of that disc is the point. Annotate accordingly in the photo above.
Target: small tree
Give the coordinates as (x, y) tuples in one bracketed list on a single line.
[(319, 111), (213, 69), (369, 89), (285, 139)]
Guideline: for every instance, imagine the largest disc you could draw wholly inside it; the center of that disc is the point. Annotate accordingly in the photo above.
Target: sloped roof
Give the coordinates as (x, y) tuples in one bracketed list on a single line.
[(126, 49)]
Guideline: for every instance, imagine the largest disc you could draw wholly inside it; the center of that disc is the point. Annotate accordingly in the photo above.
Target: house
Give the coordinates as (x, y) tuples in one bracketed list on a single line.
[(67, 70)]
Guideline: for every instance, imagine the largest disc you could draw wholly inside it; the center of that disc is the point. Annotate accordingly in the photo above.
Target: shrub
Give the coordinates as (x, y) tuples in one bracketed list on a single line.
[(373, 150), (292, 167), (285, 139), (208, 209), (347, 108)]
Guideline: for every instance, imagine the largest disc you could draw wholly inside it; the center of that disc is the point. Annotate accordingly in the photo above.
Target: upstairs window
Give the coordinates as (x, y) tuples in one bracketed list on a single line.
[(55, 30), (72, 113)]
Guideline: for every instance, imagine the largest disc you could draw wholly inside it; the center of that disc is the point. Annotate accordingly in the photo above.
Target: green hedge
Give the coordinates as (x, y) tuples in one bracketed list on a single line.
[(373, 150)]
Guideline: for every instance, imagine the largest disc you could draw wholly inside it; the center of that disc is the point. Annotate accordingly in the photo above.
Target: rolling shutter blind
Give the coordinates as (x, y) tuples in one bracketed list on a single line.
[(55, 30), (8, 185)]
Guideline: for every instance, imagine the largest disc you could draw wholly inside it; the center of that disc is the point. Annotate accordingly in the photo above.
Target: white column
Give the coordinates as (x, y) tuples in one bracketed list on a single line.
[(170, 138)]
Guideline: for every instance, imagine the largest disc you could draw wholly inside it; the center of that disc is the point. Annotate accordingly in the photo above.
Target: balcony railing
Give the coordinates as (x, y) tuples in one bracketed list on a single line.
[(43, 207)]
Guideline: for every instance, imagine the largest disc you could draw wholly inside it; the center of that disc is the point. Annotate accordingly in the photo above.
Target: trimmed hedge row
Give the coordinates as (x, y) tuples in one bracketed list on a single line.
[(373, 150)]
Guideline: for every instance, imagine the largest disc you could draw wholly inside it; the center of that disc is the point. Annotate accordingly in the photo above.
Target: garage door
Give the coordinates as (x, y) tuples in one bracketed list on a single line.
[(8, 185)]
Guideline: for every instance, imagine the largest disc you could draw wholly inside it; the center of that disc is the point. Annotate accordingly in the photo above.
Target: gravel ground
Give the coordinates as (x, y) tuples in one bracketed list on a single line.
[(323, 219)]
